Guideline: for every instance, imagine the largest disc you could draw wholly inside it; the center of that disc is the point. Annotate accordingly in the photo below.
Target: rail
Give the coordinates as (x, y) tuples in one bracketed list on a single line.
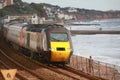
[(18, 75), (21, 66)]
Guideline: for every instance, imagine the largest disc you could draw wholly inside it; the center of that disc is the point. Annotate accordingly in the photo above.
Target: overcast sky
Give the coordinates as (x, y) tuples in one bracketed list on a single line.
[(103, 5)]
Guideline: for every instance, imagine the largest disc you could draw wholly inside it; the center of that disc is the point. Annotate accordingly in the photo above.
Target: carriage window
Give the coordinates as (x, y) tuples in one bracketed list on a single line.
[(58, 37)]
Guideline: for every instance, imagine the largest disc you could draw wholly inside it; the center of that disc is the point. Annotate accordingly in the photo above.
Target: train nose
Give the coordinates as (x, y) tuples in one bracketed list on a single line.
[(60, 51), (59, 56)]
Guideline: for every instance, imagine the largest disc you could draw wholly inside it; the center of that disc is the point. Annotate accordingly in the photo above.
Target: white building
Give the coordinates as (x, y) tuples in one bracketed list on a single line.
[(30, 18), (65, 16), (34, 19), (72, 10)]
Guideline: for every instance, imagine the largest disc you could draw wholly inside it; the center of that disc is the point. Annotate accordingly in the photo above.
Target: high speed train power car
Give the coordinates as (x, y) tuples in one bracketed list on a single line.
[(52, 41)]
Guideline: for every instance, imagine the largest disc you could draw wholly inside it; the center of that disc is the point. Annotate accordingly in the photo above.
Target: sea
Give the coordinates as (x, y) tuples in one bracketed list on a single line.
[(102, 47)]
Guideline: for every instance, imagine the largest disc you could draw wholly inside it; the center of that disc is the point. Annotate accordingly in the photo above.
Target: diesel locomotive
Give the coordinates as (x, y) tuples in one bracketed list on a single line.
[(52, 41)]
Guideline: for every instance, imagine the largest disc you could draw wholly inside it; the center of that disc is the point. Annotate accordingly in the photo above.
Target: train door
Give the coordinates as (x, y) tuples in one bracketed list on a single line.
[(38, 41), (28, 40)]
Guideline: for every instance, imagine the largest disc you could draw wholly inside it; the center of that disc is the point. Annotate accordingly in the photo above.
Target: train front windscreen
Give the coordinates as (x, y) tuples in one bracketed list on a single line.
[(58, 37)]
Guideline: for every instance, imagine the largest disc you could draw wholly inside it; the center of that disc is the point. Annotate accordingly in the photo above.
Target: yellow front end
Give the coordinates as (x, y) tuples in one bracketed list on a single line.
[(60, 51)]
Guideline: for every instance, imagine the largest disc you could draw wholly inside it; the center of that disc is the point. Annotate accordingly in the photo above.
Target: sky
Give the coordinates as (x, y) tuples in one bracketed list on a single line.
[(103, 5)]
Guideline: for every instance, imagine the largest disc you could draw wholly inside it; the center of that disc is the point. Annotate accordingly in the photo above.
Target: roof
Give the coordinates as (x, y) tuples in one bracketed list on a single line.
[(39, 27)]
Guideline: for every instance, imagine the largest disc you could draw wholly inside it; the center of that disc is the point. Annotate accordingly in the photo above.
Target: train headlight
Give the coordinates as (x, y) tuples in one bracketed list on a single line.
[(52, 49)]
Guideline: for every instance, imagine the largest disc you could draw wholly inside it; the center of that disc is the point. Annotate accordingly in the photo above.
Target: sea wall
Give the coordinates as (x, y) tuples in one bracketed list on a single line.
[(94, 32)]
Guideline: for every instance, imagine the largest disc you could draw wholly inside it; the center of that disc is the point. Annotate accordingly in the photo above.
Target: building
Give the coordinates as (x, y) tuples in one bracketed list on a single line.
[(4, 3), (71, 9), (65, 16), (49, 12), (29, 18)]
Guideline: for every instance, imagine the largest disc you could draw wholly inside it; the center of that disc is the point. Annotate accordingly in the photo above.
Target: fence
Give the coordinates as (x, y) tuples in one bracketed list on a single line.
[(95, 68)]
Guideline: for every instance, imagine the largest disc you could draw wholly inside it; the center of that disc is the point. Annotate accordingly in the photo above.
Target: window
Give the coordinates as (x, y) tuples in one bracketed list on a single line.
[(58, 37)]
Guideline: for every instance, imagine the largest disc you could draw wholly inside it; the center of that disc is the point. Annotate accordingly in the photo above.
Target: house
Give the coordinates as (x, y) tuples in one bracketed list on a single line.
[(71, 9), (49, 12), (29, 18), (65, 16), (4, 3)]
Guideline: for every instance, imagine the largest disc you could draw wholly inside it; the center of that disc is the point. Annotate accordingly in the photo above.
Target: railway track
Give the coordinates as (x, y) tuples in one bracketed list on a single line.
[(61, 70), (41, 71), (68, 71), (5, 66), (52, 68), (22, 71), (44, 72)]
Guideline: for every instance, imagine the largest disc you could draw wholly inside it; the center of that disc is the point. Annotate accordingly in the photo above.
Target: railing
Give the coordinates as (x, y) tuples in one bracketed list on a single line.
[(95, 68)]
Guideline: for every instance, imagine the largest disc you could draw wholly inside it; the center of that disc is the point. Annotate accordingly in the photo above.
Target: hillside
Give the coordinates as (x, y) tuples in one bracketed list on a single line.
[(20, 7)]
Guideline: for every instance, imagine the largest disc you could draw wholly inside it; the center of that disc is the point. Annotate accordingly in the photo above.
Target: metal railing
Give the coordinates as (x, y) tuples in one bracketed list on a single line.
[(95, 68)]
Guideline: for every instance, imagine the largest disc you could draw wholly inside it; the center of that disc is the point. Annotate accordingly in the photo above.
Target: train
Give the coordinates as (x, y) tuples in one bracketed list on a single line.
[(51, 41)]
